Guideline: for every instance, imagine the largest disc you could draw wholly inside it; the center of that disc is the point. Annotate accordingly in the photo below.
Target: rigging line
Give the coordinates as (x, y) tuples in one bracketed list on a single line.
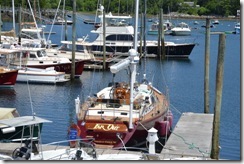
[(92, 80), (40, 17), (108, 5), (33, 114), (53, 20), (119, 7), (98, 3), (62, 23), (38, 34), (173, 107), (142, 126)]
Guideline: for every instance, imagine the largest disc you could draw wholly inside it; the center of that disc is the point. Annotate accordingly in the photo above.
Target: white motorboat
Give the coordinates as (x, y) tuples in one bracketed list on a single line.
[(181, 29), (154, 27), (237, 28), (215, 21), (37, 75), (37, 58)]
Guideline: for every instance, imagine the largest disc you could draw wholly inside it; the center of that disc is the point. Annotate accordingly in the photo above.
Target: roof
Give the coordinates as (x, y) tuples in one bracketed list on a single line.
[(23, 120), (6, 51)]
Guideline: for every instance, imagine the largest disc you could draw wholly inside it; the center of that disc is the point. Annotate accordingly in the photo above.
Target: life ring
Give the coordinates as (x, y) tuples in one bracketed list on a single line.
[(74, 132), (120, 93)]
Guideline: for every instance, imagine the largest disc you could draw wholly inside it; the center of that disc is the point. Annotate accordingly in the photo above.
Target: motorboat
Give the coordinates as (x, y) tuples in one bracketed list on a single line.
[(181, 29), (215, 21), (65, 50), (154, 27), (195, 22), (119, 40), (61, 21), (43, 76), (37, 58), (237, 28), (8, 75)]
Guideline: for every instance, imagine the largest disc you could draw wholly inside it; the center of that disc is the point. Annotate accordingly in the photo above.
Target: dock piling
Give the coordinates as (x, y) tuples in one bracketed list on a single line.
[(218, 97)]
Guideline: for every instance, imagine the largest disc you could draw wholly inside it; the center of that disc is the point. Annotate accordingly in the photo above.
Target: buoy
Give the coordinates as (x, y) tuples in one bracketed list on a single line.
[(163, 128)]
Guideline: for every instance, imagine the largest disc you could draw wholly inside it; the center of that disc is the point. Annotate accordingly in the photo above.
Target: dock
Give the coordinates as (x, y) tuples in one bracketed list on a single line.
[(191, 138)]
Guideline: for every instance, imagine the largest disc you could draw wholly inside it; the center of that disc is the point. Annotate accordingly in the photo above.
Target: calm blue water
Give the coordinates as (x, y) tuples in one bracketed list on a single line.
[(183, 80)]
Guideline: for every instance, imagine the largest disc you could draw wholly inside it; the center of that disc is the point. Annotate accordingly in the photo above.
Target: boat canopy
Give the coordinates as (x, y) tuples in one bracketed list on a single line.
[(23, 121)]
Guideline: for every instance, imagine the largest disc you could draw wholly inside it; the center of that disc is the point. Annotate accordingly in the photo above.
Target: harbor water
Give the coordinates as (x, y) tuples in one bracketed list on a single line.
[(181, 79)]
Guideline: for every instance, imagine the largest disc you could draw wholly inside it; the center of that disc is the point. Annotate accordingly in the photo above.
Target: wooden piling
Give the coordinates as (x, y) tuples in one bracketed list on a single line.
[(73, 41), (206, 72), (162, 34), (218, 97)]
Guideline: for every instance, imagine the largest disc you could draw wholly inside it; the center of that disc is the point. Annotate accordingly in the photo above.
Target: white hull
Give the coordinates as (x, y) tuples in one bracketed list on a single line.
[(181, 29), (70, 154), (181, 33), (41, 76)]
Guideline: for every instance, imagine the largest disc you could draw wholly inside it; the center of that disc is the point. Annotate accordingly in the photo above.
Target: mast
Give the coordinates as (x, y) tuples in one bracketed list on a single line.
[(13, 15), (131, 61), (134, 60)]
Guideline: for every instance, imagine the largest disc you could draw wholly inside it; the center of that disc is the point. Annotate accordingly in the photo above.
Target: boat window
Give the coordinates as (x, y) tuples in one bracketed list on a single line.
[(29, 35), (65, 47), (100, 112), (119, 38), (43, 53), (32, 55), (79, 48), (39, 53)]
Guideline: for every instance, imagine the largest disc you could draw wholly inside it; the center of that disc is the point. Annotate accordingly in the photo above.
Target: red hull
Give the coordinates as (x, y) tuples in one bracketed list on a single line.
[(8, 78), (107, 137), (64, 67)]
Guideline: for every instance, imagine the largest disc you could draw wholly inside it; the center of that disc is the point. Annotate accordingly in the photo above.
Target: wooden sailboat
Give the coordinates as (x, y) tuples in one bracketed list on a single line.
[(121, 114)]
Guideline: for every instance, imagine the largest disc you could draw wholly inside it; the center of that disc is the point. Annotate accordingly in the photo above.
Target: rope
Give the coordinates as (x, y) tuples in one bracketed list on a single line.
[(54, 20), (191, 145), (30, 98)]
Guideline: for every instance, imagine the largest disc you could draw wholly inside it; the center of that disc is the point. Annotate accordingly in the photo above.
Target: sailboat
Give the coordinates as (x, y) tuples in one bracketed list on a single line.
[(120, 114)]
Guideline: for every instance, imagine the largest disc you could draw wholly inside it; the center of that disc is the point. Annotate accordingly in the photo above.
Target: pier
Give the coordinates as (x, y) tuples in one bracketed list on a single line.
[(191, 138)]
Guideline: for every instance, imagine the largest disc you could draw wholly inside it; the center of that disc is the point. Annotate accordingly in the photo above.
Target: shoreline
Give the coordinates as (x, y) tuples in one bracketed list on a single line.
[(6, 16)]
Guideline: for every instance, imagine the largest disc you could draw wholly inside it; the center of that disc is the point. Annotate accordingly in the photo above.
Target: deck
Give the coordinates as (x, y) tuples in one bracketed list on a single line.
[(191, 137)]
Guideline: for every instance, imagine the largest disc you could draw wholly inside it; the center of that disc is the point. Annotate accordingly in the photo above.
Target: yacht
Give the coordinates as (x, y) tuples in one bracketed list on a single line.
[(181, 29), (119, 40), (37, 58)]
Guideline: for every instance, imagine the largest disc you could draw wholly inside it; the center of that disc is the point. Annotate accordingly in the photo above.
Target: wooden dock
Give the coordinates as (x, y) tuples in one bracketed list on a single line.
[(191, 137)]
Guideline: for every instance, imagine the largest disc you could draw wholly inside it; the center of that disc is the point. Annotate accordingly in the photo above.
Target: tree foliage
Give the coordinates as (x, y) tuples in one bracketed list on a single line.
[(207, 7)]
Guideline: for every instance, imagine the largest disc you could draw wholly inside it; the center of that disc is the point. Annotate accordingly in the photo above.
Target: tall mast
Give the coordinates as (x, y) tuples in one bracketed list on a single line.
[(133, 61), (13, 15)]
